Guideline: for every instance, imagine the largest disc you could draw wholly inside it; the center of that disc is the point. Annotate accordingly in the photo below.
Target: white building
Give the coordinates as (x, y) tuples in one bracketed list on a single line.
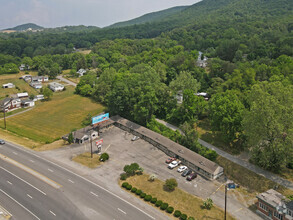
[(8, 86), (26, 103), (22, 95), (38, 97), (36, 85), (40, 79), (55, 87), (81, 72)]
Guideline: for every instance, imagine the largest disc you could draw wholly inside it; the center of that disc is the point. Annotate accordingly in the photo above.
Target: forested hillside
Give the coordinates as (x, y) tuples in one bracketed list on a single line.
[(137, 72), (151, 17), (24, 27)]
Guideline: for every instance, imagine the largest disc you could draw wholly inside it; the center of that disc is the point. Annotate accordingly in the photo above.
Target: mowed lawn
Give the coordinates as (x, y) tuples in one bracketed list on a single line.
[(20, 86), (50, 120)]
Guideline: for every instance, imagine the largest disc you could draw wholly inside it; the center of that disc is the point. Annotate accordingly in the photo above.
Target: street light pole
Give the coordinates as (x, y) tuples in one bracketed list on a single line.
[(225, 201)]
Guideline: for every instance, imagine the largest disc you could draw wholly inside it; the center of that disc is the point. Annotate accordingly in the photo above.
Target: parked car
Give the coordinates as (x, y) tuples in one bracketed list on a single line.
[(170, 159), (2, 141), (181, 169), (174, 164), (135, 138), (186, 173), (191, 176)]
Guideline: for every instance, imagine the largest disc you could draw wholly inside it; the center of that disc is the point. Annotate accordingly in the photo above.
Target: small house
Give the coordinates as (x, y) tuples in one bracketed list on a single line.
[(179, 97), (81, 72), (26, 103), (22, 95), (36, 85), (9, 104), (8, 86), (55, 87), (38, 97), (203, 94), (202, 62), (40, 79), (24, 67)]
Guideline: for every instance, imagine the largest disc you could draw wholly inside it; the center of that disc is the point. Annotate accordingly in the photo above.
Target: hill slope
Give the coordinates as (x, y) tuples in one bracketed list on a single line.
[(24, 27), (150, 17)]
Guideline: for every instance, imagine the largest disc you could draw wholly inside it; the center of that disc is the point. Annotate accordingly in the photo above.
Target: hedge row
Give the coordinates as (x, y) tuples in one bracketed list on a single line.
[(158, 203)]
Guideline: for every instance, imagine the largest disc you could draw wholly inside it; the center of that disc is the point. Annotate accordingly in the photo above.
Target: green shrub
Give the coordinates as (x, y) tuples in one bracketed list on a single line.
[(142, 195), (158, 203), (104, 157), (191, 218), (177, 213), (133, 189), (129, 187), (125, 184), (164, 206), (183, 217), (138, 192), (148, 198), (153, 200), (123, 176), (170, 209)]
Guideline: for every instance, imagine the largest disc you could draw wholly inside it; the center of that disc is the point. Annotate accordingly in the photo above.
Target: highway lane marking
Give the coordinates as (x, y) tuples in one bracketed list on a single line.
[(51, 170), (31, 171), (32, 161), (52, 213), (23, 181), (70, 180), (85, 179), (9, 182), (14, 153), (20, 204), (29, 196), (94, 194), (122, 211)]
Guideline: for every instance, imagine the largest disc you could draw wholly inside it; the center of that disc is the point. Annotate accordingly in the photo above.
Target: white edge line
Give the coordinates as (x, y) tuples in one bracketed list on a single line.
[(113, 194), (5, 210), (122, 211), (24, 181), (52, 213), (94, 194), (20, 204)]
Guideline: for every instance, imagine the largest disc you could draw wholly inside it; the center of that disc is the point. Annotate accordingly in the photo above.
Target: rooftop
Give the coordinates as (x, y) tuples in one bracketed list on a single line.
[(272, 197)]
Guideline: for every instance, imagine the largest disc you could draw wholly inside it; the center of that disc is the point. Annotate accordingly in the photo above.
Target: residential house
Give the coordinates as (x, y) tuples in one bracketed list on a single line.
[(40, 79), (179, 97), (25, 103), (26, 77), (8, 86), (9, 104), (36, 85), (38, 97), (24, 67), (273, 205), (22, 95), (202, 62), (81, 72), (55, 87)]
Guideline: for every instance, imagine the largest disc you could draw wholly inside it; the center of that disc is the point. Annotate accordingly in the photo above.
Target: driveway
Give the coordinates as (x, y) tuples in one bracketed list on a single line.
[(243, 163), (66, 80)]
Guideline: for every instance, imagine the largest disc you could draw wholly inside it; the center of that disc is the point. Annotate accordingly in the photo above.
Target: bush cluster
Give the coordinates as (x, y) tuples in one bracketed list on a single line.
[(158, 203)]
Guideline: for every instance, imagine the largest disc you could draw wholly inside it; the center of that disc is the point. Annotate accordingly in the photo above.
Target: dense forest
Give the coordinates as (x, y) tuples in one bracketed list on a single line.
[(138, 71)]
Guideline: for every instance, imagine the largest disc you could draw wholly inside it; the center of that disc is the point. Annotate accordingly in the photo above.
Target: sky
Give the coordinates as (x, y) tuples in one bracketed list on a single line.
[(56, 13)]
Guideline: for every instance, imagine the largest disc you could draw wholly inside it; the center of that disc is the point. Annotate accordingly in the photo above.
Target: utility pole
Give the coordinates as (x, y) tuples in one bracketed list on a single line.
[(225, 201)]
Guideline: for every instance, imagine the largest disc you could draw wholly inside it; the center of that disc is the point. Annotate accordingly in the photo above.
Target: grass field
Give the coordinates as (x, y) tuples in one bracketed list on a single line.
[(86, 160), (20, 85), (179, 199), (49, 121)]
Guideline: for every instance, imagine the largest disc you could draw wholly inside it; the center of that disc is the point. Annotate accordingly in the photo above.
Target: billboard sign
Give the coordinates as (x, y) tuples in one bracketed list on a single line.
[(99, 142), (100, 118)]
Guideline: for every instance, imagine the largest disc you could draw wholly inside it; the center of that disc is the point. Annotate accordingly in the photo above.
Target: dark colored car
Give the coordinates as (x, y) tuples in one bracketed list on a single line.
[(170, 159), (191, 176), (186, 173), (2, 141)]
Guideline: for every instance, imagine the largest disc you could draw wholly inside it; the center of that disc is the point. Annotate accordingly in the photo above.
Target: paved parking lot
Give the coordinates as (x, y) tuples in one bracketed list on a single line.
[(117, 143)]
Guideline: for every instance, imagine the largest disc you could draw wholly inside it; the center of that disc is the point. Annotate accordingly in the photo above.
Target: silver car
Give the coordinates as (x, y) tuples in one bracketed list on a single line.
[(2, 141)]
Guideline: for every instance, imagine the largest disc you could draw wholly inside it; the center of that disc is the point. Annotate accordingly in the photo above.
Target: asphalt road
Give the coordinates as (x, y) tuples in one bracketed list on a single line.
[(29, 196)]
